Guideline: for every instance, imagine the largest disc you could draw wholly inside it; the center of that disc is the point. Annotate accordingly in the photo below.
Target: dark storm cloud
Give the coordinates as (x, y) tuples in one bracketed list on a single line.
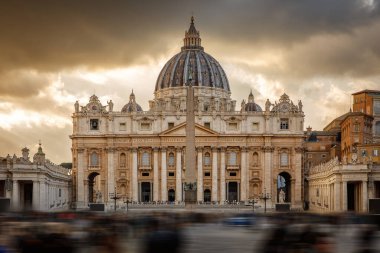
[(51, 35)]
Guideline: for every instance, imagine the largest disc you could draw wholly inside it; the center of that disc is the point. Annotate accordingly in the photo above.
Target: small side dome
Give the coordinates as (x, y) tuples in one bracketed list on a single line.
[(251, 106), (132, 106)]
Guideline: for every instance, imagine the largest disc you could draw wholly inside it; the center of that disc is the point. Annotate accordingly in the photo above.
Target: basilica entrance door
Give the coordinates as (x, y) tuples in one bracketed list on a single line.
[(171, 195), (233, 191), (145, 191)]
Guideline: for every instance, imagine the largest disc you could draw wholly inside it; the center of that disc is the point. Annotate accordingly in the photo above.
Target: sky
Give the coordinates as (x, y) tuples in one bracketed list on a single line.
[(55, 52)]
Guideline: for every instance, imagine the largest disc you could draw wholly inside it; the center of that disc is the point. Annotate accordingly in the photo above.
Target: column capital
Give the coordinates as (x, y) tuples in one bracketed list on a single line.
[(199, 149), (214, 149), (110, 149), (178, 148), (80, 150), (155, 149), (222, 149), (244, 149), (268, 149), (298, 149), (133, 149), (163, 149)]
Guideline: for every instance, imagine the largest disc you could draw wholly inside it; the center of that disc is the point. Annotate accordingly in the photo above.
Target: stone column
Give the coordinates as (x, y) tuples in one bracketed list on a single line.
[(298, 176), (344, 196), (364, 196), (155, 174), (243, 175), (15, 195), (337, 206), (178, 175), (214, 192), (110, 173), (134, 175), (200, 176), (36, 196), (268, 166), (222, 175), (82, 162), (164, 194)]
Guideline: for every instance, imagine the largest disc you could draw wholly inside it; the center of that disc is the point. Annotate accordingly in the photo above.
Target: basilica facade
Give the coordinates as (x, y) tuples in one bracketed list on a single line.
[(241, 153)]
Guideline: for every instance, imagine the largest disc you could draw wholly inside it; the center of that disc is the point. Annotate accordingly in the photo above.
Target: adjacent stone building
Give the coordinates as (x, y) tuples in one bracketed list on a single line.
[(139, 155), (36, 184)]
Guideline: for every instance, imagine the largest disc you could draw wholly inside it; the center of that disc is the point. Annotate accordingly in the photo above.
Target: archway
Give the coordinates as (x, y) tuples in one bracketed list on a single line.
[(171, 195), (91, 189), (284, 184), (207, 195)]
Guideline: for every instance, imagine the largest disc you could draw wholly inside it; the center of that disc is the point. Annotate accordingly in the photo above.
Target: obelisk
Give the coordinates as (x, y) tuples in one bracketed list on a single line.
[(190, 178)]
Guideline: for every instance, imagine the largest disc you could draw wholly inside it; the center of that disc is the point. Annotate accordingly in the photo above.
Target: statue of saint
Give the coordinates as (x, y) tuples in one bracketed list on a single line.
[(98, 197), (281, 196), (110, 106), (300, 106), (76, 106), (243, 105), (267, 105)]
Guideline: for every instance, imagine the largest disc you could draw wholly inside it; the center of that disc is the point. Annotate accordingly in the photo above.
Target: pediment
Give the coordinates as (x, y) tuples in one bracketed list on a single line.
[(180, 130)]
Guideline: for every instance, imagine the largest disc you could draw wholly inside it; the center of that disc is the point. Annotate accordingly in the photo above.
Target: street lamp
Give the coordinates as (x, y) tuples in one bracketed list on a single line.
[(115, 197), (127, 201), (265, 196), (253, 201)]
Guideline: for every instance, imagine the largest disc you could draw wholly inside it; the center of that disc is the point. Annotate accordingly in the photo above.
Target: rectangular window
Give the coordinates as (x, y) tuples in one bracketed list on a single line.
[(255, 126), (59, 193), (232, 174), (145, 174), (207, 174), (232, 126), (284, 124), (171, 174), (375, 152), (284, 159), (356, 127), (123, 126), (170, 125), (207, 125), (94, 124), (145, 126)]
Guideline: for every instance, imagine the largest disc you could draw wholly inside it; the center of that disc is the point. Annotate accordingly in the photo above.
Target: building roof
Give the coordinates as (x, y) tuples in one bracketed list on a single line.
[(377, 92)]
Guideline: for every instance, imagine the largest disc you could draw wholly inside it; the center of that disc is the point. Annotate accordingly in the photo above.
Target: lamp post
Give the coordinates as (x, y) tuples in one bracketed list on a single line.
[(253, 201), (265, 196), (127, 201), (115, 197)]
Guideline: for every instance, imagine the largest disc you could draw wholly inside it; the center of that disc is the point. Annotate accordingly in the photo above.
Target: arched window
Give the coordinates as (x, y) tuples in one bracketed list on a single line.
[(255, 159), (171, 159), (145, 160), (94, 159), (206, 159), (232, 158), (123, 159), (284, 159)]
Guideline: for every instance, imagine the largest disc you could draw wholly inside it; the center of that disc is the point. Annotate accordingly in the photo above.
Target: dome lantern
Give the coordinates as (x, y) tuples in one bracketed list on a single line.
[(192, 39)]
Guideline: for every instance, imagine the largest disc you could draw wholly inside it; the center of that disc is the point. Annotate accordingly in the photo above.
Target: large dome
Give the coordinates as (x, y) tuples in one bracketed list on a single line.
[(192, 64)]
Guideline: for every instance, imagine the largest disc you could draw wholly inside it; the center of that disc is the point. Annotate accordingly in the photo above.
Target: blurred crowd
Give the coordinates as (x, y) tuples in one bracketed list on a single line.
[(167, 231)]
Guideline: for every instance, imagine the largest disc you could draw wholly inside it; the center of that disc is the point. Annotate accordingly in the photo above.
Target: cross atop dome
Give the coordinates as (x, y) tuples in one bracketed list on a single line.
[(192, 39)]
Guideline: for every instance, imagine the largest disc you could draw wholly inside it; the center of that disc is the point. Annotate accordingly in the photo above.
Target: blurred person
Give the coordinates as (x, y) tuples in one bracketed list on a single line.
[(163, 240), (366, 240)]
